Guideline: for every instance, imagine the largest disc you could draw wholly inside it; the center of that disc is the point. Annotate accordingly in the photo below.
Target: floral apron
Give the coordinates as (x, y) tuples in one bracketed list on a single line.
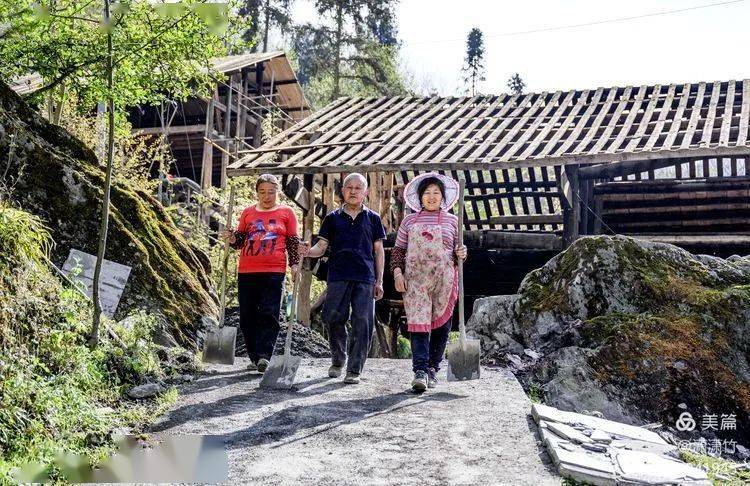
[(431, 278)]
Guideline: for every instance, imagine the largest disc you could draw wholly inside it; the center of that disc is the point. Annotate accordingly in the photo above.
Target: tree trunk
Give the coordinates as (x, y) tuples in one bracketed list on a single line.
[(94, 338), (265, 26), (337, 62)]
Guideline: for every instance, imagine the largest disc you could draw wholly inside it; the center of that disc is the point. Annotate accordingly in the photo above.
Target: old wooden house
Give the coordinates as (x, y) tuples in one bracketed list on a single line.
[(664, 162), (205, 134)]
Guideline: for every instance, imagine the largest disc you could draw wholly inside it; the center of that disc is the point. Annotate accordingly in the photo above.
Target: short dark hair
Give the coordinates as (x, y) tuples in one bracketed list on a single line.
[(427, 182)]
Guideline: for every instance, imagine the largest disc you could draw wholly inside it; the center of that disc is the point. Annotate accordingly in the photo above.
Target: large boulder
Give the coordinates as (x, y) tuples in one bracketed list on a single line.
[(55, 176), (639, 331)]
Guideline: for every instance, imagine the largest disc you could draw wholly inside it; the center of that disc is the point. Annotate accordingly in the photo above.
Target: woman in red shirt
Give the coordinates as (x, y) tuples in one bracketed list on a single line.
[(266, 233)]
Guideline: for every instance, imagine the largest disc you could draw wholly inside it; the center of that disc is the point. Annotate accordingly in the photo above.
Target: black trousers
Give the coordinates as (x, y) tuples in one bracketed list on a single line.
[(428, 348), (259, 295)]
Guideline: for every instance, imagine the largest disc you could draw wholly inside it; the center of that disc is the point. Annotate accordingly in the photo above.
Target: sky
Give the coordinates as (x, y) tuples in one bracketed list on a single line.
[(703, 44)]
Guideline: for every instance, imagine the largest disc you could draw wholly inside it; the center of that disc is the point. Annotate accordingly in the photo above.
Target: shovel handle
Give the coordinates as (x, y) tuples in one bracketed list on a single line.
[(225, 263), (292, 318), (461, 323)]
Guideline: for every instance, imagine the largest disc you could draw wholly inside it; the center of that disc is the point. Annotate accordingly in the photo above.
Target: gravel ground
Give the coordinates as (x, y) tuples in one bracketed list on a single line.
[(305, 342), (378, 432)]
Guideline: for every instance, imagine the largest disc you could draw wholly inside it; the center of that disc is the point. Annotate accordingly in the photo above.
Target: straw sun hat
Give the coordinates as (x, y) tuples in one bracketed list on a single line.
[(411, 195)]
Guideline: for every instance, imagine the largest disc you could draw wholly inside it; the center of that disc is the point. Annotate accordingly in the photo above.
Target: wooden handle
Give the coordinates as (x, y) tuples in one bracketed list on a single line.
[(461, 324), (230, 210), (292, 317)]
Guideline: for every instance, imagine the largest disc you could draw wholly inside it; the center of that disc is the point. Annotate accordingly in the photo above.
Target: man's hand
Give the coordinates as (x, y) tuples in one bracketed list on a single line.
[(400, 282), (228, 236), (378, 290), (461, 251)]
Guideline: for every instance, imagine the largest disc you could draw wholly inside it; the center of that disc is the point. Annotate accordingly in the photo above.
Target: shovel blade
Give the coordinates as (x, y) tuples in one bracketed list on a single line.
[(463, 361), (280, 372), (219, 345)]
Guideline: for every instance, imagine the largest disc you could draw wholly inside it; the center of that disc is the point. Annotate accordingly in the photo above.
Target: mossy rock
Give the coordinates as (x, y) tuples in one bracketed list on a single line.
[(56, 177), (656, 325)]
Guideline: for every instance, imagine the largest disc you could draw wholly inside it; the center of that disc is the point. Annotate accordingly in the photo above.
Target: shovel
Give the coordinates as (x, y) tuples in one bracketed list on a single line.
[(282, 369), (220, 343), (463, 355)]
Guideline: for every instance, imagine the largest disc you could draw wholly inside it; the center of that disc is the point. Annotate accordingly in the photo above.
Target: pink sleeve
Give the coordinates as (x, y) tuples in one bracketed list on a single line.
[(402, 237)]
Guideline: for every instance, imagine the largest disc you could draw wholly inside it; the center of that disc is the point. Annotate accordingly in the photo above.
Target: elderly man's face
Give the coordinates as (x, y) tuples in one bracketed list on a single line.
[(354, 191)]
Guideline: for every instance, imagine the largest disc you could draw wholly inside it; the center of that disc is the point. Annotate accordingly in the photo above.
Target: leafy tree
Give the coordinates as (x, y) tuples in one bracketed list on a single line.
[(474, 62), (159, 50), (515, 84), (353, 49), (262, 15), (136, 53)]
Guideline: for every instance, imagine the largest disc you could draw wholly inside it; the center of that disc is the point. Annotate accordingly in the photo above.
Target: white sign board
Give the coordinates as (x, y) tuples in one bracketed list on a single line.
[(79, 267)]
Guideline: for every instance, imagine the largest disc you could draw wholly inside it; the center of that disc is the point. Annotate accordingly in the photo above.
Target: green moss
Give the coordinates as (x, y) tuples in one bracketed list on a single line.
[(720, 471), (167, 275)]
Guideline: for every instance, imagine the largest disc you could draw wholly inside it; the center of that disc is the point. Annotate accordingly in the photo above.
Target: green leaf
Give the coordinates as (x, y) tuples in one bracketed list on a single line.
[(171, 10), (214, 15)]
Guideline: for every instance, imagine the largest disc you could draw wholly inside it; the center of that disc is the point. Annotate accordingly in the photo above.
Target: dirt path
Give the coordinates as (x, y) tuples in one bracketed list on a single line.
[(377, 432)]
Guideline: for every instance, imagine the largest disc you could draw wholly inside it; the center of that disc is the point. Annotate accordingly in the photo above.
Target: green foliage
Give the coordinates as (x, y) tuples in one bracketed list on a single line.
[(516, 85), (720, 471), (24, 240), (403, 348), (134, 156), (474, 61), (158, 49), (535, 392), (351, 50), (56, 394), (262, 15)]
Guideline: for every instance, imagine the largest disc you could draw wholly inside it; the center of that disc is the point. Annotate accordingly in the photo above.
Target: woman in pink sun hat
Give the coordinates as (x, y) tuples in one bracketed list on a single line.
[(423, 263)]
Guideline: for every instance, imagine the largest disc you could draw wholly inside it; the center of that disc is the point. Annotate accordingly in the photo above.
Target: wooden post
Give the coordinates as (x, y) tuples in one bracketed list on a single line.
[(385, 208), (227, 125), (585, 201), (207, 162), (570, 188), (303, 311), (598, 211)]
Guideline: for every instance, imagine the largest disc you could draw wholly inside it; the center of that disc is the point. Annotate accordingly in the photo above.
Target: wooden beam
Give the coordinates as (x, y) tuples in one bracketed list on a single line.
[(296, 148), (527, 219), (171, 130), (680, 185), (303, 311), (619, 169), (243, 168), (513, 240)]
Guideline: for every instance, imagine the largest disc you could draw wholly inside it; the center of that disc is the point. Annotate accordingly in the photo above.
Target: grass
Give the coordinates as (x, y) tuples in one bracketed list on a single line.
[(720, 471), (56, 394), (535, 392)]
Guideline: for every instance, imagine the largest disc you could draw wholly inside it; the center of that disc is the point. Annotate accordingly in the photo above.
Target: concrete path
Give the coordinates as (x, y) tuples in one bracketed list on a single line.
[(377, 432)]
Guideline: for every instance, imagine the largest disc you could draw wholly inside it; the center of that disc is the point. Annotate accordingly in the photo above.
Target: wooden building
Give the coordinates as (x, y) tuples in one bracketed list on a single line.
[(664, 162), (205, 134)]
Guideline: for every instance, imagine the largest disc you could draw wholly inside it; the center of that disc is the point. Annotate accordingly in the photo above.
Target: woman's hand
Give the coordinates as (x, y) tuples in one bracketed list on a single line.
[(295, 271), (461, 251), (400, 282), (303, 248), (228, 236)]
